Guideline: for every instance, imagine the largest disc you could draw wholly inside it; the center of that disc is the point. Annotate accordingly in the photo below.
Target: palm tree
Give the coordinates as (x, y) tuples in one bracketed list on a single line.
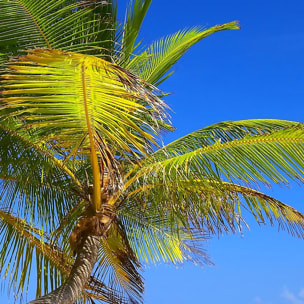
[(88, 191)]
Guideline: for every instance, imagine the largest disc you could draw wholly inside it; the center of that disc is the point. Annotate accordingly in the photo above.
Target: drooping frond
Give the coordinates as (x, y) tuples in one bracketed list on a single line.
[(83, 104), (79, 26), (186, 180), (118, 267), (213, 206), (21, 244), (75, 96), (154, 62), (154, 238), (31, 174)]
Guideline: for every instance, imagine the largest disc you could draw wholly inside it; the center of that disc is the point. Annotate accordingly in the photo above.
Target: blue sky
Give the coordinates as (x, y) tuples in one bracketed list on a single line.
[(256, 72)]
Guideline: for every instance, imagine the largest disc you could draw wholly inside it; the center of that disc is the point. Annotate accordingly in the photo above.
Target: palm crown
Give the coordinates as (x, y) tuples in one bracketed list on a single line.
[(81, 153)]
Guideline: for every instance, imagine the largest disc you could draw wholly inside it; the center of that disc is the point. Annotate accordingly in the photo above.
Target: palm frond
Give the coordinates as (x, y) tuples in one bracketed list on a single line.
[(103, 29), (118, 266), (224, 132), (95, 96), (154, 239), (135, 15), (3, 59), (81, 26), (99, 107), (13, 133), (21, 243), (214, 206), (245, 152), (253, 156), (159, 58), (31, 174)]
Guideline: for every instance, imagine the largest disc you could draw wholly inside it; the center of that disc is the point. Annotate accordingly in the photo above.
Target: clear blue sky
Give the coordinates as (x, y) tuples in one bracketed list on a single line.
[(256, 72)]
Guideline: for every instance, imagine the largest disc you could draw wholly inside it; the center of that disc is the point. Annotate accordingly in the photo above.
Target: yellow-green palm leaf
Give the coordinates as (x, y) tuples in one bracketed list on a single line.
[(82, 104), (198, 180), (74, 97), (244, 154), (153, 63), (168, 242), (31, 174)]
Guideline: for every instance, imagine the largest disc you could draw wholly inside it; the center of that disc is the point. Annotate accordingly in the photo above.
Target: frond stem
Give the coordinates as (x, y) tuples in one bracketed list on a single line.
[(94, 159), (223, 146), (37, 25)]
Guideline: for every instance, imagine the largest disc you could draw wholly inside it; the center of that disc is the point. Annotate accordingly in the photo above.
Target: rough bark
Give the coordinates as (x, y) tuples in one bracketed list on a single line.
[(70, 290)]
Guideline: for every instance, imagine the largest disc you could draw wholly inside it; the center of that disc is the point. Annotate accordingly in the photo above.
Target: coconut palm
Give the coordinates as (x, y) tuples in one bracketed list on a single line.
[(88, 191)]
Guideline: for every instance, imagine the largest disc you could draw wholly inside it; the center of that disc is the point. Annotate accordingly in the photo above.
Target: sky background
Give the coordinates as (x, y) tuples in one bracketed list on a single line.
[(255, 72)]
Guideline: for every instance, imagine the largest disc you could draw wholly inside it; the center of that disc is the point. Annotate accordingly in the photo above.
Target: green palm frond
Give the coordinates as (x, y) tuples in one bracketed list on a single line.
[(154, 239), (189, 177), (260, 156), (223, 132), (61, 24), (118, 267), (15, 136), (3, 59), (31, 174), (214, 206), (158, 58), (135, 15), (21, 243)]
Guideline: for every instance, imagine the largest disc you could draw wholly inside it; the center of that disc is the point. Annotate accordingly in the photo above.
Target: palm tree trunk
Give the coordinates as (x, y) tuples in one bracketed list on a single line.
[(70, 290)]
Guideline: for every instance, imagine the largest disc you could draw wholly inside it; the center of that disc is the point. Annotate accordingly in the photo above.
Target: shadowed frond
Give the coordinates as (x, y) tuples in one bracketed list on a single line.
[(155, 239), (21, 243), (118, 267), (31, 174), (154, 62), (79, 26), (214, 206), (3, 59)]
